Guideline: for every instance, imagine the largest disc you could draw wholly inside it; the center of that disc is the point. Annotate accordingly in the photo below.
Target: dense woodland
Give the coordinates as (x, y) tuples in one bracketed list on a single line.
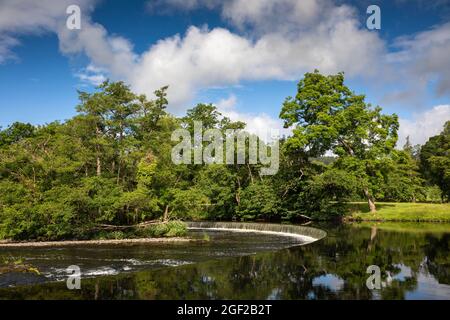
[(111, 164)]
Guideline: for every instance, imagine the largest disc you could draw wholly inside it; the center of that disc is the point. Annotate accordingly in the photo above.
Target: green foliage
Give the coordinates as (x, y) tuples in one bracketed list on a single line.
[(117, 235), (258, 201), (16, 132), (433, 194), (402, 182), (170, 229), (435, 161), (328, 116), (326, 194), (111, 164), (189, 204)]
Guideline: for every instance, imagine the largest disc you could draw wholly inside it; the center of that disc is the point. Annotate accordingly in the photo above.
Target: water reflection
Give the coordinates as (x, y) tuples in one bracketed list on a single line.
[(415, 264)]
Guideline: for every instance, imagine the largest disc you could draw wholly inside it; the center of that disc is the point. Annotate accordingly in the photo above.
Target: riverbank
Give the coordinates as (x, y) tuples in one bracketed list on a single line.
[(400, 212), (47, 244)]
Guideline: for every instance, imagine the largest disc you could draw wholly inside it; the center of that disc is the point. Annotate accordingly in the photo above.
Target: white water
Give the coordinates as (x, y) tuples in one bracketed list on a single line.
[(304, 239)]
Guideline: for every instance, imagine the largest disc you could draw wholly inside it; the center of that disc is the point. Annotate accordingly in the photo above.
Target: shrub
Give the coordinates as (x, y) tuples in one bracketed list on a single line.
[(176, 229), (433, 194), (117, 235), (169, 229)]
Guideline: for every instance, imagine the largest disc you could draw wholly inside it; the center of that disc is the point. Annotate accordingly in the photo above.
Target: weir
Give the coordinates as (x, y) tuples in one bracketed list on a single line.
[(306, 234)]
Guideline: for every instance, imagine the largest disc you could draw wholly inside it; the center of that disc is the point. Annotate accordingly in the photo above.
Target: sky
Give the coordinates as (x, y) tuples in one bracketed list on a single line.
[(244, 56)]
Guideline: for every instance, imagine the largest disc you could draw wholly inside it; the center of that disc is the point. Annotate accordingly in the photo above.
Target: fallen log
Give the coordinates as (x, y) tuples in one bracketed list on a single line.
[(111, 227)]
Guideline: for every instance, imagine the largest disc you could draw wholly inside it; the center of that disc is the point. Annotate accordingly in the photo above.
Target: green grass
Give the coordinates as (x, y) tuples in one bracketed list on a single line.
[(387, 211)]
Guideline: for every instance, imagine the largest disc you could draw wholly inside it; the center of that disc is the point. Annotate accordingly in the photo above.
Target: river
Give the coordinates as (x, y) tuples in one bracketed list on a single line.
[(413, 259)]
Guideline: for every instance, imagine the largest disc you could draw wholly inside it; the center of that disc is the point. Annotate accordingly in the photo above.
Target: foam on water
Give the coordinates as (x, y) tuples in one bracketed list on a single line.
[(304, 234), (304, 239)]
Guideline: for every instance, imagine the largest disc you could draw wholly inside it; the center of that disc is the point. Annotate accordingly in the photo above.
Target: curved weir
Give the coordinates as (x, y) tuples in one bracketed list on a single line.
[(306, 234)]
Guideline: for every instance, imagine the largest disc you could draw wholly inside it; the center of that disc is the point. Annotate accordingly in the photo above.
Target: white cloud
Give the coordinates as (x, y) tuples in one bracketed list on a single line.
[(227, 103), (18, 17), (260, 124), (291, 36), (282, 40), (92, 75), (206, 58), (423, 125), (330, 39), (6, 45), (422, 59), (419, 128), (94, 79)]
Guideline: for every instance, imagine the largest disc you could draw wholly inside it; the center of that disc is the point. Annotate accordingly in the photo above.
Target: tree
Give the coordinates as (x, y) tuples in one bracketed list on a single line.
[(403, 181), (16, 132), (435, 161), (325, 194), (328, 117), (258, 200)]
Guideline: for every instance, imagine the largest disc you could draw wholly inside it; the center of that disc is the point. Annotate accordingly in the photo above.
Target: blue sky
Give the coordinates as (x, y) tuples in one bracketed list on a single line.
[(244, 56)]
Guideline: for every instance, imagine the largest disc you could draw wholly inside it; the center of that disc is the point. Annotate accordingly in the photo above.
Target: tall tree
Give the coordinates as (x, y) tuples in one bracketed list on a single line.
[(435, 160), (328, 117)]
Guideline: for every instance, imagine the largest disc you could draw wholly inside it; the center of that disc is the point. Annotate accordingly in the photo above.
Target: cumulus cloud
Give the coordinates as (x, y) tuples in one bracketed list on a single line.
[(278, 40), (260, 124), (92, 75), (311, 34), (423, 125), (19, 17), (330, 39), (420, 60)]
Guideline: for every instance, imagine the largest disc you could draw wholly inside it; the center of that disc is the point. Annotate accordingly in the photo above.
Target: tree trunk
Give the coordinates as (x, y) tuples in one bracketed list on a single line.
[(250, 172), (237, 195), (166, 214), (99, 167), (97, 149), (370, 201)]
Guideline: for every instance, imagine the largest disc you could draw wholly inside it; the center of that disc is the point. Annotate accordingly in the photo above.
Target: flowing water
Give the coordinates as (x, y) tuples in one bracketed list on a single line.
[(413, 258)]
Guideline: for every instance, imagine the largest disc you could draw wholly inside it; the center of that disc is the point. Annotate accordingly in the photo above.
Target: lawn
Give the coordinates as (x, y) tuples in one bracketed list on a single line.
[(387, 211)]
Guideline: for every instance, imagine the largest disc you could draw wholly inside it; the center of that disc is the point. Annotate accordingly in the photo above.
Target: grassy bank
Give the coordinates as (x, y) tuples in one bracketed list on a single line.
[(386, 211)]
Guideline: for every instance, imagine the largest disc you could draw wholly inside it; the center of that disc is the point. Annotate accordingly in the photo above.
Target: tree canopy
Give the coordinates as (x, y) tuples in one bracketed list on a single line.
[(111, 164)]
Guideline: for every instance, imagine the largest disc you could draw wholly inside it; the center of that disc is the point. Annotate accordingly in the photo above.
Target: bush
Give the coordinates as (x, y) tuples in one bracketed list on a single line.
[(433, 194), (111, 235), (117, 235), (169, 229), (176, 229)]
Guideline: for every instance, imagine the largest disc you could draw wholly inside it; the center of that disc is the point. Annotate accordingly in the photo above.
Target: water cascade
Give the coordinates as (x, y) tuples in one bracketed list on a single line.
[(306, 234)]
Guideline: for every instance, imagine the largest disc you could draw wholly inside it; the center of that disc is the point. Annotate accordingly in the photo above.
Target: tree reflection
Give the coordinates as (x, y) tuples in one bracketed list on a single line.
[(333, 268)]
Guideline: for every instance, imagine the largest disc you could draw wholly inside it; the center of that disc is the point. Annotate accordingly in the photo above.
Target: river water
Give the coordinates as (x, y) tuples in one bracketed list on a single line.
[(413, 259)]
